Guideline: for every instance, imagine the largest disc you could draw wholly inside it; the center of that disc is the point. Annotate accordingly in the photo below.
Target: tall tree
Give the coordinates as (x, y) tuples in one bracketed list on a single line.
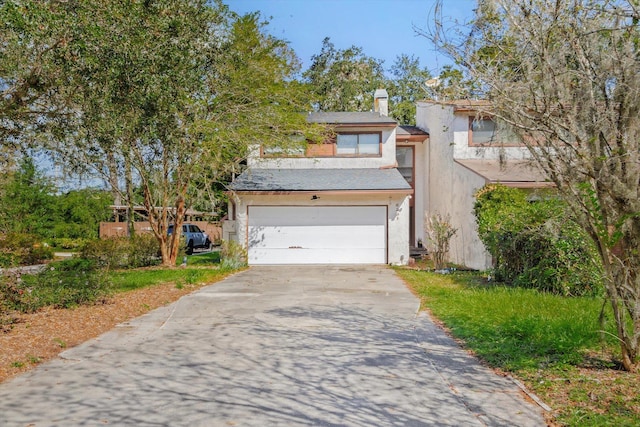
[(168, 94), (452, 84), (408, 85), (27, 201), (566, 75), (79, 213), (344, 80)]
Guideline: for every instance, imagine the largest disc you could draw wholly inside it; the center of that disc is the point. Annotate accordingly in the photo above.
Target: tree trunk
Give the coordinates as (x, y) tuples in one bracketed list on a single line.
[(622, 284), (131, 215), (113, 179), (177, 231)]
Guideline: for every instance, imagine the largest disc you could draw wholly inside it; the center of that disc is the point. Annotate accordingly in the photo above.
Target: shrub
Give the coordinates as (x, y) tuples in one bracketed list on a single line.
[(143, 251), (535, 244), (61, 284), (556, 257), (232, 255), (438, 231), (22, 249), (122, 252), (107, 253), (67, 243)]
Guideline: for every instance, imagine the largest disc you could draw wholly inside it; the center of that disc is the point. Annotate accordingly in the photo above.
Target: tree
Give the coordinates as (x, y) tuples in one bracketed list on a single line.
[(166, 96), (408, 85), (344, 80), (172, 94), (27, 201), (79, 213), (566, 76), (31, 204), (452, 84)]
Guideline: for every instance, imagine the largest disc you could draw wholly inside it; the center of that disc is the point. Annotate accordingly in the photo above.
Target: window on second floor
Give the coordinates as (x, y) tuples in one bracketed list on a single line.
[(293, 146), (283, 151), (404, 157), (358, 144), (487, 131)]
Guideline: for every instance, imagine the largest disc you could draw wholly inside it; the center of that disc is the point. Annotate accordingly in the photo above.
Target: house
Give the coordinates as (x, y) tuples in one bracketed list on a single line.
[(343, 201), (465, 152), (362, 196)]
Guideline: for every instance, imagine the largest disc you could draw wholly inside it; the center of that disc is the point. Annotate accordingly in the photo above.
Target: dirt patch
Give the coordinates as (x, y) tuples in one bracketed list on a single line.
[(38, 337)]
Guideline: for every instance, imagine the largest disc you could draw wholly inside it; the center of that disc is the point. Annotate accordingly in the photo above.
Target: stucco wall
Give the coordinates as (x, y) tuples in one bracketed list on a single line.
[(466, 246), (450, 187), (397, 221)]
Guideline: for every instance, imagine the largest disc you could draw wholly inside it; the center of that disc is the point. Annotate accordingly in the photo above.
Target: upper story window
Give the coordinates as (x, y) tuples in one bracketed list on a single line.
[(283, 151), (293, 146), (404, 157), (347, 144), (487, 131), (358, 144)]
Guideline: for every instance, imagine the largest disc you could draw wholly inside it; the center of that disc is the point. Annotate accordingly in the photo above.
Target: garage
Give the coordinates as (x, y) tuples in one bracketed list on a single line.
[(317, 234)]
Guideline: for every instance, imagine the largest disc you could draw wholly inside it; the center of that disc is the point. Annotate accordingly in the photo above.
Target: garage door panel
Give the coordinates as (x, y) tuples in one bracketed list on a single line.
[(315, 215), (317, 234), (316, 256)]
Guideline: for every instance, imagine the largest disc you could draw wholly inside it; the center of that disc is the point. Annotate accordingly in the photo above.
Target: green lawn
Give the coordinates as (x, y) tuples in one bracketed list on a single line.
[(554, 344), (200, 268)]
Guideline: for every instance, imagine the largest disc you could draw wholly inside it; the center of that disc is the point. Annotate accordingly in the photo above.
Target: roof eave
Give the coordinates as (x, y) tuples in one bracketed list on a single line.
[(411, 138)]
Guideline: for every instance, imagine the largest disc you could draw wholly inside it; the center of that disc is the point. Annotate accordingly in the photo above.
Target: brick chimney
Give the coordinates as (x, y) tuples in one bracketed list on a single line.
[(381, 102)]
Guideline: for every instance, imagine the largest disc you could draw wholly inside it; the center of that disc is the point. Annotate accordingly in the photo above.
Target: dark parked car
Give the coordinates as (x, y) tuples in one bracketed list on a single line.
[(194, 237)]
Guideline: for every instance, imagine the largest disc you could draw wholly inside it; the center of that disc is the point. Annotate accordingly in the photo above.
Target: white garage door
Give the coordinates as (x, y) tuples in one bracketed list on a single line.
[(317, 235)]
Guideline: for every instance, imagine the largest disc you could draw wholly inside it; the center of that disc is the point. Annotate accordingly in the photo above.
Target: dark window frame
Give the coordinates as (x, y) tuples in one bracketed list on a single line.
[(412, 148)]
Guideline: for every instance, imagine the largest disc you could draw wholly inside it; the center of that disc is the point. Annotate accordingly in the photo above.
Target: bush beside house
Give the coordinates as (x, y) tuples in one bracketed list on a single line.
[(534, 243)]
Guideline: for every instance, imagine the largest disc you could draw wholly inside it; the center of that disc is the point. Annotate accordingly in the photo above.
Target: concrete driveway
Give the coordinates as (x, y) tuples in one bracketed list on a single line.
[(289, 346)]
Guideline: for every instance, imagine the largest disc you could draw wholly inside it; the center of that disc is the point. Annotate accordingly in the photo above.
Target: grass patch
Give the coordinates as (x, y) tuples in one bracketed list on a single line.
[(552, 343), (204, 259), (128, 280), (34, 360)]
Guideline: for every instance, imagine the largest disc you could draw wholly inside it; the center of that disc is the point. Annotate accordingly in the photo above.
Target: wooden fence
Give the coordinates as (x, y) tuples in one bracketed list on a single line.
[(119, 229)]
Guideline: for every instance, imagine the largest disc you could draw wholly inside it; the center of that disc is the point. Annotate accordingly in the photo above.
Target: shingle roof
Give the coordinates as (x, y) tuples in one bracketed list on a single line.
[(350, 118), (320, 180), (410, 130)]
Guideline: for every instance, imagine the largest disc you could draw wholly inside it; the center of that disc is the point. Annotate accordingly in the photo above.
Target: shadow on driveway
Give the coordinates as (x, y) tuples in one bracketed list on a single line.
[(290, 346)]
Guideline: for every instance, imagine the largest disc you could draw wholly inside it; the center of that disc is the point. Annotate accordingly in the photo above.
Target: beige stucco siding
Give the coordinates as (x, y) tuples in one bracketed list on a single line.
[(449, 187), (466, 247)]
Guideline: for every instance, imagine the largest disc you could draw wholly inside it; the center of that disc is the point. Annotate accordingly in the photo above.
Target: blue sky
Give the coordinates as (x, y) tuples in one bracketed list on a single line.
[(383, 28)]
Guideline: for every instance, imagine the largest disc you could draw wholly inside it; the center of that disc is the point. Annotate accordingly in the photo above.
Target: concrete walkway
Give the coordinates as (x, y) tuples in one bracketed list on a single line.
[(272, 346)]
